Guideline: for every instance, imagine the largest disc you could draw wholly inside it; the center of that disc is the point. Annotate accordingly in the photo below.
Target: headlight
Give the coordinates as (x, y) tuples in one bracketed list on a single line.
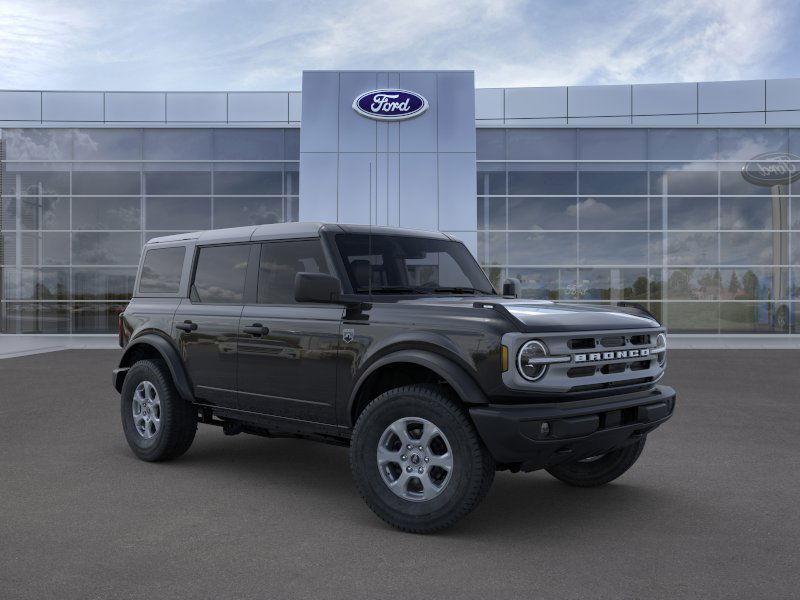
[(661, 348), (531, 360)]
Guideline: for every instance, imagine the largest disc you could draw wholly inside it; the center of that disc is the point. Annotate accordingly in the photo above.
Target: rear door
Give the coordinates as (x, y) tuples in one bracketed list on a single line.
[(207, 322), (288, 351)]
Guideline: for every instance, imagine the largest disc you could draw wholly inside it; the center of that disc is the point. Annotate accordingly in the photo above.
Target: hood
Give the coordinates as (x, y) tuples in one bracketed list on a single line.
[(545, 316)]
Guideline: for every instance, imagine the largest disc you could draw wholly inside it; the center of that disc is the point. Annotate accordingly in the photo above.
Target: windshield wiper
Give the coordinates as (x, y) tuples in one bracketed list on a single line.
[(390, 289), (458, 290)]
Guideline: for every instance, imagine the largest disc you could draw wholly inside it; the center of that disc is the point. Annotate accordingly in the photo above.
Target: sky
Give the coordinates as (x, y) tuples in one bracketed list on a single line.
[(260, 45)]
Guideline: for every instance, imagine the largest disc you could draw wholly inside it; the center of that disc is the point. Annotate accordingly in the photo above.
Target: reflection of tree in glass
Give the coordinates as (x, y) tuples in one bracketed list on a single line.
[(750, 285), (734, 286)]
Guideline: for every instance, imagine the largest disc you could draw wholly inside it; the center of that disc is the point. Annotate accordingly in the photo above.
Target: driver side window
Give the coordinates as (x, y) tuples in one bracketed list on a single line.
[(280, 262)]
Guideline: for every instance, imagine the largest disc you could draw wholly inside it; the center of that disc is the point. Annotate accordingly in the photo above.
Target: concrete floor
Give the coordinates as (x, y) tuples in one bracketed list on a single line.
[(710, 510)]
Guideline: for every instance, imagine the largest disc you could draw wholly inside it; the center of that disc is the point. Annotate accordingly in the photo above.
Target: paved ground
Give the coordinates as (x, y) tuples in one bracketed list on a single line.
[(710, 511)]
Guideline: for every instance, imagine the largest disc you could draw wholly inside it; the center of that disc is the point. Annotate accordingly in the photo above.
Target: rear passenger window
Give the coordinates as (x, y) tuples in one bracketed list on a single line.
[(161, 271), (280, 262), (220, 274)]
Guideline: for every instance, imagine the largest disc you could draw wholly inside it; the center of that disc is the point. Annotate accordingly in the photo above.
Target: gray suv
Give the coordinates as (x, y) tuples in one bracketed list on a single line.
[(394, 343)]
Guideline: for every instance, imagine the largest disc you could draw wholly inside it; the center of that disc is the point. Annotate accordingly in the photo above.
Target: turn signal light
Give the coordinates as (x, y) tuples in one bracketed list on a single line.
[(504, 358)]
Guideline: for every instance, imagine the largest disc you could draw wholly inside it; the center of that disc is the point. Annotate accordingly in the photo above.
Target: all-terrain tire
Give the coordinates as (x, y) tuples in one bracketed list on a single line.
[(600, 470), (472, 469), (177, 417)]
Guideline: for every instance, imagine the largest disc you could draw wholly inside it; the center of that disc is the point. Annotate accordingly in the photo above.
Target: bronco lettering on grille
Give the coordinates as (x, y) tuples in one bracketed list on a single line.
[(616, 355)]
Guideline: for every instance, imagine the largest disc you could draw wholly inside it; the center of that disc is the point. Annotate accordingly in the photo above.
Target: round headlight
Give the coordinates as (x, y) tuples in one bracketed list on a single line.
[(661, 348), (527, 360)]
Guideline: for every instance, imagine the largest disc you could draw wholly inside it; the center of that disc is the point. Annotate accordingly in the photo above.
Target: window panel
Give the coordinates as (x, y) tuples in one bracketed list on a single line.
[(96, 317), (220, 274), (35, 183), (692, 248), (554, 249), (546, 284), (613, 249), (754, 213), (491, 179), (492, 213), (754, 283), (522, 181), (36, 284), (746, 317), (45, 248), (693, 284), (542, 213), (492, 248), (35, 317), (178, 183), (292, 209), (38, 144), (682, 144), (291, 144), (613, 284), (683, 183), (733, 182), (249, 183), (101, 248), (612, 213), (106, 213), (542, 144), (248, 144), (117, 183), (613, 182), (291, 179), (103, 284), (107, 144), (612, 144), (749, 248), (692, 317), (45, 212), (236, 212), (490, 144), (178, 144), (745, 144), (692, 213), (178, 214)]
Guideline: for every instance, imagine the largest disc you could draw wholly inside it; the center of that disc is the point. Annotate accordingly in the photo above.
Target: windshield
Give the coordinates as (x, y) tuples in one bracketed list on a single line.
[(391, 264)]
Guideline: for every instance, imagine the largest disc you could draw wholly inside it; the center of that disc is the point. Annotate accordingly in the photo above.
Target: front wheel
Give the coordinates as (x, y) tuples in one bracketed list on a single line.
[(601, 469), (418, 461)]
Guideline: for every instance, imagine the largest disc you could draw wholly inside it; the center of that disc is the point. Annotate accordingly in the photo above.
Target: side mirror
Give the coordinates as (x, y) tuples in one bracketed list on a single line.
[(511, 287), (317, 287)]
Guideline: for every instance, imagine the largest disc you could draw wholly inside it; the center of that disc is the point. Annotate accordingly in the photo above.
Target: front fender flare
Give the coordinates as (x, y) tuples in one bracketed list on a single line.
[(461, 381), (170, 355)]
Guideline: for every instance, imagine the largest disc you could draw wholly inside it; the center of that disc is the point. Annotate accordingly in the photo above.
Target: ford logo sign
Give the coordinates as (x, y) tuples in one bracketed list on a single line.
[(390, 105), (772, 168)]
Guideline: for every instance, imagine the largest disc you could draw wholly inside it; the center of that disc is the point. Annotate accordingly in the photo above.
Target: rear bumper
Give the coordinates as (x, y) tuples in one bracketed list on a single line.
[(534, 436)]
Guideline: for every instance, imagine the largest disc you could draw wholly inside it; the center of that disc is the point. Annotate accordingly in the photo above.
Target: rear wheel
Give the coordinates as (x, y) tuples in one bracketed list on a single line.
[(158, 423), (601, 469), (417, 460)]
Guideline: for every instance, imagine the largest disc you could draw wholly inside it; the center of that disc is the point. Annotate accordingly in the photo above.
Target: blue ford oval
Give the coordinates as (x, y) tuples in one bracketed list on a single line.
[(390, 105)]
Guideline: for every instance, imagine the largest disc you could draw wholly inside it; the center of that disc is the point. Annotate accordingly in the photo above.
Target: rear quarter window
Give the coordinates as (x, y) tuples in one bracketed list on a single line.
[(161, 270)]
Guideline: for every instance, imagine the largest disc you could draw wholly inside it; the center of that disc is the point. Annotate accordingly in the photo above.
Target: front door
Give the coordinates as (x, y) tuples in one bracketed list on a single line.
[(207, 323), (288, 351)]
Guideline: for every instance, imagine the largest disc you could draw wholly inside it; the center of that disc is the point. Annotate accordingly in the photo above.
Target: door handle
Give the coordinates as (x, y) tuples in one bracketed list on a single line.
[(256, 329), (187, 326)]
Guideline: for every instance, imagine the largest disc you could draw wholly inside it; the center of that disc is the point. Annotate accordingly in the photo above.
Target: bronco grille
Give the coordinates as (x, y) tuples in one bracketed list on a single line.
[(586, 361)]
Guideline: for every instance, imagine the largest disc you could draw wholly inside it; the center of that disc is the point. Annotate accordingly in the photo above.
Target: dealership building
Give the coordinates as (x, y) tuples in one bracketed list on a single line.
[(678, 196)]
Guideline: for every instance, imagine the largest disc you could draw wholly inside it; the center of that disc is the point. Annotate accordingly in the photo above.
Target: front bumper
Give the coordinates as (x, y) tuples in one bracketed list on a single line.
[(534, 436)]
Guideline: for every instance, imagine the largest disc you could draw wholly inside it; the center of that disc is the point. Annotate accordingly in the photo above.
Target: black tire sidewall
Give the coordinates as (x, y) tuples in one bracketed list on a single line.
[(157, 447), (467, 461)]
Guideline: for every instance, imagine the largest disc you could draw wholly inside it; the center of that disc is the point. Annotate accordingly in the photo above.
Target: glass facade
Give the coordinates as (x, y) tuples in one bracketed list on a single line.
[(660, 216), (78, 204), (663, 217)]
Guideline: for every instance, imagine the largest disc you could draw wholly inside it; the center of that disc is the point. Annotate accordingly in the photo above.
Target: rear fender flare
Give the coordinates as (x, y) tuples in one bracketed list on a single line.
[(170, 356)]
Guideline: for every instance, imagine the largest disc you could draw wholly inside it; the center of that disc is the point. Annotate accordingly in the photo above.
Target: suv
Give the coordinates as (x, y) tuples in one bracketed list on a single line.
[(394, 343)]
